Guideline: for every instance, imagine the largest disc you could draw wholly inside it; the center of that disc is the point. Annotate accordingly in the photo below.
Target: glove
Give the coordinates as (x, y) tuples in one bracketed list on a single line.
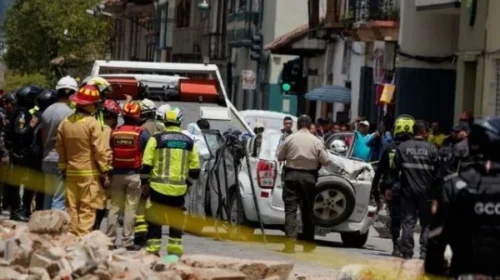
[(105, 180), (145, 187)]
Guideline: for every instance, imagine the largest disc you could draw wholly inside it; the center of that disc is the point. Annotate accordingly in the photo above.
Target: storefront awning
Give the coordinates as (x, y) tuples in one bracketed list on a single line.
[(331, 94)]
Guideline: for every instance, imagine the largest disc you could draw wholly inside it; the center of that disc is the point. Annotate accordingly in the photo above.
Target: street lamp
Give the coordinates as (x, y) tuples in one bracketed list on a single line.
[(203, 6), (98, 10)]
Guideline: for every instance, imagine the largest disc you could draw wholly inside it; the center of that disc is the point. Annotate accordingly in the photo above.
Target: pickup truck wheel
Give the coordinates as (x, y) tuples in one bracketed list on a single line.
[(238, 223), (334, 203), (354, 239)]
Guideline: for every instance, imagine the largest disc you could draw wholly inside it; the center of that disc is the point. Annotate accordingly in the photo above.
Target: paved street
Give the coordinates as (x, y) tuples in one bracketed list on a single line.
[(324, 262)]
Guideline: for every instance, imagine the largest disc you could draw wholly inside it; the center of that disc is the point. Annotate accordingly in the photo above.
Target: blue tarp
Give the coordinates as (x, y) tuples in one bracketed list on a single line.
[(331, 94)]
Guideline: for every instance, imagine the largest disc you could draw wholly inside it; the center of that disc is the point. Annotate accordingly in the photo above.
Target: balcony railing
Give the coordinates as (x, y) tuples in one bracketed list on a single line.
[(436, 4), (370, 10)]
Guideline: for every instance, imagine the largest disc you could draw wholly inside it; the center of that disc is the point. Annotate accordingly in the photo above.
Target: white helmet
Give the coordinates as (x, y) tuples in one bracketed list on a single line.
[(339, 146), (161, 111), (67, 83), (148, 105)]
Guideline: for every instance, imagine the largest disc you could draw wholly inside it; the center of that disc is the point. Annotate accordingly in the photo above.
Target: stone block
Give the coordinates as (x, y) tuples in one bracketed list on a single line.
[(49, 222), (412, 270), (38, 273), (198, 273), (9, 273), (253, 269), (351, 272)]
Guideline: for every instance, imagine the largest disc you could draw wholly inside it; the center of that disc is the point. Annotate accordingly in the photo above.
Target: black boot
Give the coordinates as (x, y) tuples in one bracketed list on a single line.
[(396, 248), (19, 215)]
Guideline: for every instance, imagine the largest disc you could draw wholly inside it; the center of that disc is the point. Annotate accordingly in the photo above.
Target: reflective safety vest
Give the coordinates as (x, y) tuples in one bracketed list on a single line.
[(392, 153), (125, 141), (170, 154)]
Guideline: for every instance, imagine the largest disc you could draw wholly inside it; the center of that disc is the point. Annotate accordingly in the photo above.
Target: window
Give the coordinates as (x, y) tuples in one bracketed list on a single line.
[(346, 59), (162, 25), (341, 144), (231, 6), (242, 5), (183, 14)]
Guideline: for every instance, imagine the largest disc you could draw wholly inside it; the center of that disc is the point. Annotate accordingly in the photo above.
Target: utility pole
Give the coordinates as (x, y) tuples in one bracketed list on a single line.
[(257, 55)]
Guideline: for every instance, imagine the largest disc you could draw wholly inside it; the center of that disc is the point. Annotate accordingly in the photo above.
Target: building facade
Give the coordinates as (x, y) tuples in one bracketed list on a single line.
[(278, 17)]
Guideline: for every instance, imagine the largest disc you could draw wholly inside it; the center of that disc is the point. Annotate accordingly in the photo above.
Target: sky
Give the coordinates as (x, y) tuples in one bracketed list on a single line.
[(3, 7)]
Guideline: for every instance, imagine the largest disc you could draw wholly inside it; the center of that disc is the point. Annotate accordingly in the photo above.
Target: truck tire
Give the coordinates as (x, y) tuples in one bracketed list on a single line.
[(354, 239), (333, 202)]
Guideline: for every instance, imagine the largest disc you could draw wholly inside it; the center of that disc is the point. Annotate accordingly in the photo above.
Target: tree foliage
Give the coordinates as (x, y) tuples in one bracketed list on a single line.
[(38, 31), (14, 80)]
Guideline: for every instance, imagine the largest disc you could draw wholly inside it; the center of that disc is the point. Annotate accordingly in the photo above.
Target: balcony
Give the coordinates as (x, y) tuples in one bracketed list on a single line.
[(372, 20), (443, 6)]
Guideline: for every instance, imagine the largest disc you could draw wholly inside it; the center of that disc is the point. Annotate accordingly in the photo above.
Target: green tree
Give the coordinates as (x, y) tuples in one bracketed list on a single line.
[(15, 80), (38, 31)]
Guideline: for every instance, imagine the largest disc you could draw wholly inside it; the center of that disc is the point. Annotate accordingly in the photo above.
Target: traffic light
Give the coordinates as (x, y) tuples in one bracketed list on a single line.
[(292, 80), (256, 47)]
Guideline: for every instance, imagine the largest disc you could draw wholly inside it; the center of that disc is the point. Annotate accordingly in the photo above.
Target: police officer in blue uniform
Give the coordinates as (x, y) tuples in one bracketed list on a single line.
[(468, 211), (417, 160), (387, 179)]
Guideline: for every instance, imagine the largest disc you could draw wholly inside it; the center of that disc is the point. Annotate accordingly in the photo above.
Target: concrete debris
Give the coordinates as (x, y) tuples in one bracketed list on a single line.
[(45, 250), (253, 269), (49, 222), (396, 269)]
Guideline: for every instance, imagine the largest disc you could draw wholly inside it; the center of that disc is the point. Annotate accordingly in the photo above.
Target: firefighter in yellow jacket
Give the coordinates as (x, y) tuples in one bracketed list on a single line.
[(85, 160), (170, 158)]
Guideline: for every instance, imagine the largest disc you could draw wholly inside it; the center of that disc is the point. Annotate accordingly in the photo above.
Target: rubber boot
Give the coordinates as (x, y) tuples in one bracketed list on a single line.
[(289, 246), (396, 248)]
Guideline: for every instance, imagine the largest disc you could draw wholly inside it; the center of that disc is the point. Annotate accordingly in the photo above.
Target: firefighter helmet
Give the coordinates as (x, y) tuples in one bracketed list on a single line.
[(161, 111), (111, 108), (132, 110), (173, 116), (102, 84), (67, 83), (86, 95)]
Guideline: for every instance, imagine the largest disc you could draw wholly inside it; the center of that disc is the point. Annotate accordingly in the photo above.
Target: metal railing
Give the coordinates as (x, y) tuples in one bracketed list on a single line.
[(368, 10)]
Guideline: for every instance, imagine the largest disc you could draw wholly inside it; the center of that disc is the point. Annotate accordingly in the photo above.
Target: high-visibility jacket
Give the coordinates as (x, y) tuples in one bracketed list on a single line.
[(170, 158), (126, 147), (82, 146)]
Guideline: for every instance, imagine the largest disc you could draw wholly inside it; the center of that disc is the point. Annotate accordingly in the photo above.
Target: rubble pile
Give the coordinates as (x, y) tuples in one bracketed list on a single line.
[(43, 250), (395, 269)]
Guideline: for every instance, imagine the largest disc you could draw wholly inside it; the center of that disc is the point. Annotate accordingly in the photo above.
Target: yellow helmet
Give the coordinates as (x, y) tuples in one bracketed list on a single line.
[(100, 83), (404, 125), (173, 116)]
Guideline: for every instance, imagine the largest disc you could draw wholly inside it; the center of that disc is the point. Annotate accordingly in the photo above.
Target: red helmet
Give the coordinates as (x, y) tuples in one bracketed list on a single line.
[(132, 110), (111, 107), (86, 95)]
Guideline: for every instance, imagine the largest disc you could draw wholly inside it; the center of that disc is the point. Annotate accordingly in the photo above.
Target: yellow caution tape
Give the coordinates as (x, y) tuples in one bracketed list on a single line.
[(244, 235)]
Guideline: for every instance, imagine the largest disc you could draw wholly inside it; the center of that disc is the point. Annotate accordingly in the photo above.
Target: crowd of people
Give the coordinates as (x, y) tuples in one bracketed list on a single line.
[(71, 137), (449, 183), (66, 148)]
